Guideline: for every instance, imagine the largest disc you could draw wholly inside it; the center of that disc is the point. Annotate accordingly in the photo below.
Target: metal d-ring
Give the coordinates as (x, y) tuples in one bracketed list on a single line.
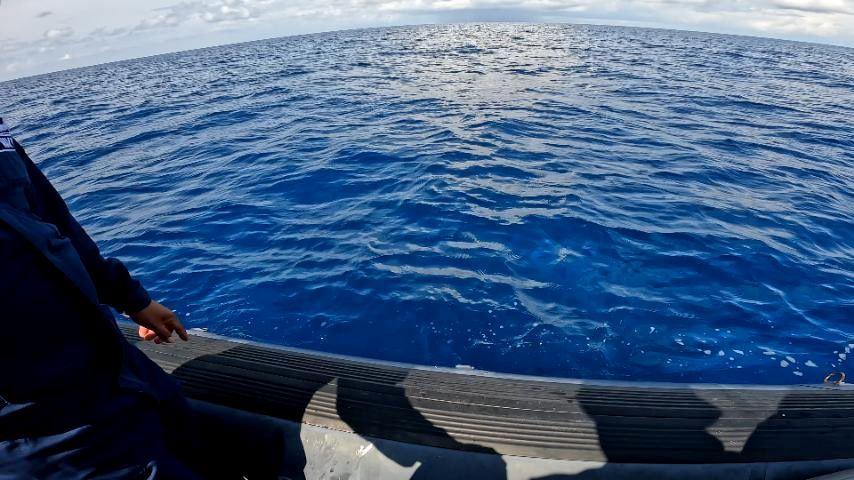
[(831, 375)]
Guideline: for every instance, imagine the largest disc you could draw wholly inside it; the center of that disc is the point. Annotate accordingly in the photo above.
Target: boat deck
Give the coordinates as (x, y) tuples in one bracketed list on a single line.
[(516, 416)]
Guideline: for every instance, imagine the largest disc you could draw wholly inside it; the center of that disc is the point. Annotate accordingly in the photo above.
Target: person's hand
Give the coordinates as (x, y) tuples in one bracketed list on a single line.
[(157, 323)]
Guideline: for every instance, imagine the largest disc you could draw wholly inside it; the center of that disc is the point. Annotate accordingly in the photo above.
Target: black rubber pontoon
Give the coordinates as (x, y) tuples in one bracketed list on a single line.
[(337, 417)]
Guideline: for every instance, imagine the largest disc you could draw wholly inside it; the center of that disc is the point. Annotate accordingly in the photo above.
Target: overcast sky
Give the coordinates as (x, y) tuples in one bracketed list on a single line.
[(48, 35)]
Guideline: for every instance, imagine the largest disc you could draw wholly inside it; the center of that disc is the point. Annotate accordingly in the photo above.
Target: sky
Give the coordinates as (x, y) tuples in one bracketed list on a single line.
[(49, 35)]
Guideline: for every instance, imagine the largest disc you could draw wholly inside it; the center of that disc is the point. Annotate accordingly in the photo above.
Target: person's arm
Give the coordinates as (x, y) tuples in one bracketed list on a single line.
[(115, 285)]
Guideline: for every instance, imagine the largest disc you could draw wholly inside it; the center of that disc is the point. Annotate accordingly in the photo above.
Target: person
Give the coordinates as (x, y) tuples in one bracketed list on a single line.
[(77, 400)]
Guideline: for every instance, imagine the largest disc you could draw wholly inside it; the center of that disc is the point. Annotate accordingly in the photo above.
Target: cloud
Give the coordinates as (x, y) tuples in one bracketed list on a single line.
[(55, 34), (218, 11), (844, 7), (161, 20), (104, 32), (43, 14)]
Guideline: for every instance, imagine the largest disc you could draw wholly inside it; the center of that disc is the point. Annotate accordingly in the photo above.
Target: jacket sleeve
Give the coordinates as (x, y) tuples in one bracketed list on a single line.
[(115, 286)]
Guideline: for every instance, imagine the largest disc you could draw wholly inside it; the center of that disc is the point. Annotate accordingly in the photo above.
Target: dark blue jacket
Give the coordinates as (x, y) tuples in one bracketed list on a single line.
[(68, 378)]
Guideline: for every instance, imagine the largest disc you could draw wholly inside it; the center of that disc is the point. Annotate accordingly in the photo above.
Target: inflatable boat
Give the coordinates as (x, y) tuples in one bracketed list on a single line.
[(319, 416)]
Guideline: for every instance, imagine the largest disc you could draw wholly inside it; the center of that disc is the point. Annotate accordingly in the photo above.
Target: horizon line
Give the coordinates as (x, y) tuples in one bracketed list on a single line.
[(426, 24)]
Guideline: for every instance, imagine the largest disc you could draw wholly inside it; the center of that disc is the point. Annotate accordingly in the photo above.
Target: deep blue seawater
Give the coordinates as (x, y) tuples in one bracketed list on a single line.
[(573, 201)]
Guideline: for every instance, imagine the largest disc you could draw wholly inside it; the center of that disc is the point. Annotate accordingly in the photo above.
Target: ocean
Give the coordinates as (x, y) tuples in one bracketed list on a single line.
[(573, 201)]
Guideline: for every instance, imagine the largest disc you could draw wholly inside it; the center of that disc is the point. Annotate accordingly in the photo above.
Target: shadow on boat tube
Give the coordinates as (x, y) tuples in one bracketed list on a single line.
[(264, 442), (283, 413)]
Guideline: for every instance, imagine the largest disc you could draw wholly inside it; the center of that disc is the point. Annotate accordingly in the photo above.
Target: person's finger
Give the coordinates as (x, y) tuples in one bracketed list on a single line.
[(174, 325), (162, 332), (146, 334), (181, 331)]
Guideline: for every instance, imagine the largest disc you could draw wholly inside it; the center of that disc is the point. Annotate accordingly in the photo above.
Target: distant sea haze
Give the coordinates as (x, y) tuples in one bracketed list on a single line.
[(571, 201)]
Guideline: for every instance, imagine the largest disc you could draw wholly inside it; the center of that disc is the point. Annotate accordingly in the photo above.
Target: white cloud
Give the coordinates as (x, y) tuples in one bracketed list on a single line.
[(56, 34), (156, 26), (817, 6), (217, 11)]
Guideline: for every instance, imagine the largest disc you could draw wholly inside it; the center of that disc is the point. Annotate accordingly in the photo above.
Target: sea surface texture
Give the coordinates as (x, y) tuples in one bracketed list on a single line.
[(572, 201)]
